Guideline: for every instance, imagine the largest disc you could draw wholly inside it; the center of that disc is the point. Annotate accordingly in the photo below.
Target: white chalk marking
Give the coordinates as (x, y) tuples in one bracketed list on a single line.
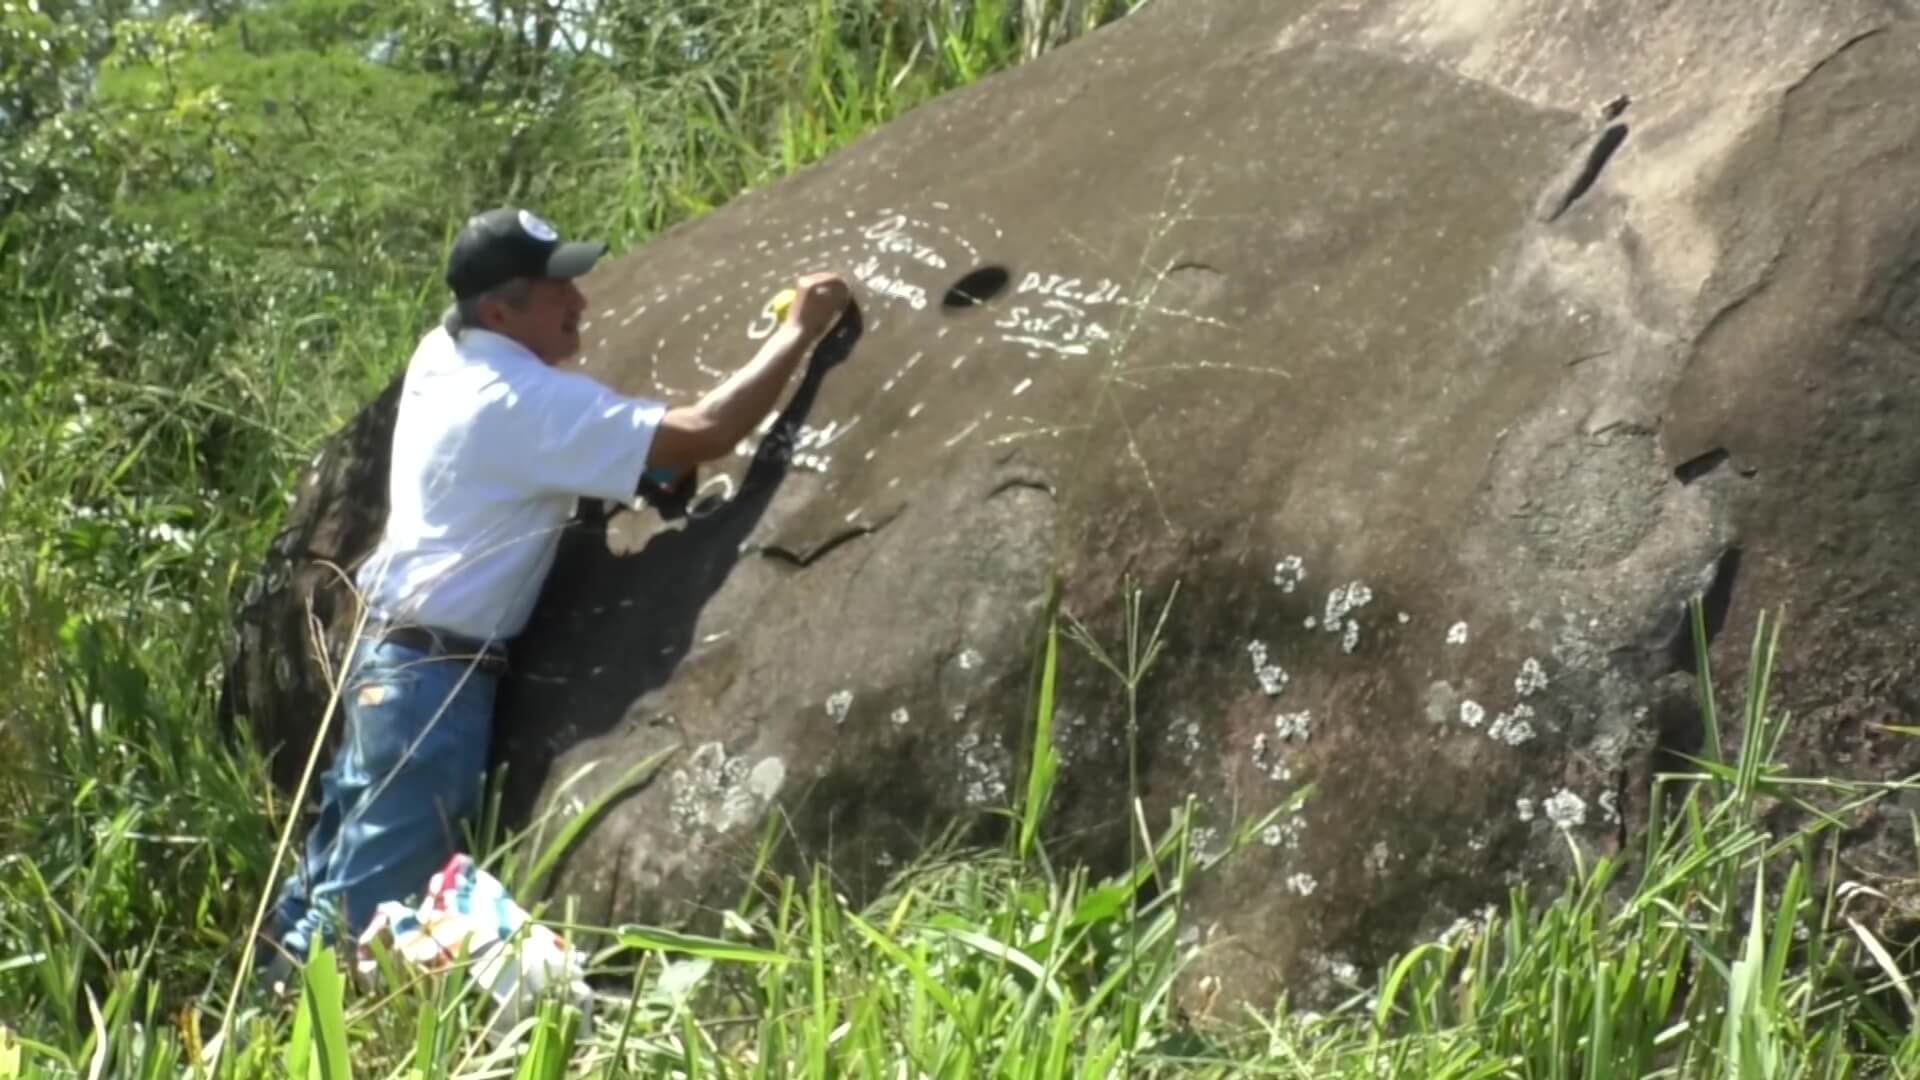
[(964, 432), (1051, 346)]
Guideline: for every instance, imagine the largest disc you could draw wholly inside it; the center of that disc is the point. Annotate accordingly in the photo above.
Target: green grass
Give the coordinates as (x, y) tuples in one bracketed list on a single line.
[(159, 394), (1727, 951)]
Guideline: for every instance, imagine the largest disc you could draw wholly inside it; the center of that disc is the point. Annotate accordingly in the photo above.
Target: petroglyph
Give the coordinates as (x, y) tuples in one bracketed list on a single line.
[(926, 261)]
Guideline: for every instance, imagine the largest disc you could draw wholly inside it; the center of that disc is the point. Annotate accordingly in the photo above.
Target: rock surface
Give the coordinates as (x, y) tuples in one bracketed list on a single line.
[(1439, 351)]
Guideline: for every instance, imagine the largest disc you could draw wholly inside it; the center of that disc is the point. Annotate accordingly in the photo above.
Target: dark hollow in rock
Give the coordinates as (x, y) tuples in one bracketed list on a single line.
[(1694, 468), (976, 288), (1602, 152)]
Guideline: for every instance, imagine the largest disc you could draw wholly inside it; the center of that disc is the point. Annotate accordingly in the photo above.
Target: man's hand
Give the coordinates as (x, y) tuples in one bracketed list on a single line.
[(711, 427), (819, 301)]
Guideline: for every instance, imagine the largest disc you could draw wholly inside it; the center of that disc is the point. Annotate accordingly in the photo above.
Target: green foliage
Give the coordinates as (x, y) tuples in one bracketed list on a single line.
[(220, 230), (1718, 956)]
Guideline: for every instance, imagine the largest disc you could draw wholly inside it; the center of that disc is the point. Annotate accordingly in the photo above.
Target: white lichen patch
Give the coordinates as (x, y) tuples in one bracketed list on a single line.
[(1609, 807), (1292, 831), (1073, 740), (1289, 572), (1525, 808), (1268, 760), (718, 792), (1271, 677), (985, 767), (1185, 734), (1378, 858), (1566, 810), (1302, 884), (1513, 728), (900, 717), (1531, 680), (1469, 926), (1457, 634), (969, 659), (1294, 726), (1206, 841), (1341, 971), (1472, 713), (838, 704), (1272, 835), (1345, 599), (1342, 602)]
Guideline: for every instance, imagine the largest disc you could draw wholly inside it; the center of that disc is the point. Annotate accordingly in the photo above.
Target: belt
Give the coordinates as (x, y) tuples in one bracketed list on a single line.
[(489, 657)]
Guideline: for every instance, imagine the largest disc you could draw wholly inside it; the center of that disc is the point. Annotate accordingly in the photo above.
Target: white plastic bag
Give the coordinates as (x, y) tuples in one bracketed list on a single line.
[(516, 959)]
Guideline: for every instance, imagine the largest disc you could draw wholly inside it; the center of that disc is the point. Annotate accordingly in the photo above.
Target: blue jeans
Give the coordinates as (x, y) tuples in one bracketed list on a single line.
[(409, 773)]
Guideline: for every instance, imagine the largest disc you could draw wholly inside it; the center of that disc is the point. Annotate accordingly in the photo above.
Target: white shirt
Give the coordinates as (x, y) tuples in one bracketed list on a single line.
[(491, 449)]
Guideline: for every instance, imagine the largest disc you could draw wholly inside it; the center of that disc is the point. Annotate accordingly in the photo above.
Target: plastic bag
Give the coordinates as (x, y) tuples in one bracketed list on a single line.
[(516, 959)]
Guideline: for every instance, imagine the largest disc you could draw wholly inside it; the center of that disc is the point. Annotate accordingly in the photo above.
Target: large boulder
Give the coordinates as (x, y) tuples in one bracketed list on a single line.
[(1439, 352)]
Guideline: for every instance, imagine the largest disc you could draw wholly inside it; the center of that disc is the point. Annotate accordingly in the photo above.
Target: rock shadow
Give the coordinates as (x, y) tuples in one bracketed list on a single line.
[(303, 581), (640, 608)]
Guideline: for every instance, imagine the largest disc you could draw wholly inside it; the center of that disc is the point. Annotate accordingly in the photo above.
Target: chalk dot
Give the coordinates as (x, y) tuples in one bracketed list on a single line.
[(915, 411), (1022, 388)]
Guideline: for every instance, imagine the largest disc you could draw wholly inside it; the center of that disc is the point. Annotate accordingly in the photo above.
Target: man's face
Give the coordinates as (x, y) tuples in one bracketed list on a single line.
[(548, 324)]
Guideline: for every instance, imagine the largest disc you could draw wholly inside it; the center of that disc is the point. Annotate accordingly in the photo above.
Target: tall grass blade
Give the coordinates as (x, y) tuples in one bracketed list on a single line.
[(554, 851), (324, 1001), (1040, 776), (654, 939)]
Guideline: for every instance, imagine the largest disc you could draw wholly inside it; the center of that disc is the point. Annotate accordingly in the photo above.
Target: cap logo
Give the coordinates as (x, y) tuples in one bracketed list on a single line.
[(537, 229)]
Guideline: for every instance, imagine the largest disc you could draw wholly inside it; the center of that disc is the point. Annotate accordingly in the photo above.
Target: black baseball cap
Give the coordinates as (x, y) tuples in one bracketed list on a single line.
[(507, 243)]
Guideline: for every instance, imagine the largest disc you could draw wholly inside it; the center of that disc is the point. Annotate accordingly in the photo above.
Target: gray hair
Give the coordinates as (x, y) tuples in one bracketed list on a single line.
[(465, 314)]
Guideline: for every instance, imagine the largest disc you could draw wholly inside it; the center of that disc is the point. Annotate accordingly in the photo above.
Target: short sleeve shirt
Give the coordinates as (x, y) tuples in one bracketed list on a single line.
[(491, 450)]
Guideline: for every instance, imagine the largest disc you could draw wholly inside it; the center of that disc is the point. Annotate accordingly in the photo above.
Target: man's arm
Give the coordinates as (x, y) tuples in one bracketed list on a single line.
[(711, 427)]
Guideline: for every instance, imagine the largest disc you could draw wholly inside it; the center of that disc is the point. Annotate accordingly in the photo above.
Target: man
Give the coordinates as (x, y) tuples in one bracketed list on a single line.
[(492, 446)]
